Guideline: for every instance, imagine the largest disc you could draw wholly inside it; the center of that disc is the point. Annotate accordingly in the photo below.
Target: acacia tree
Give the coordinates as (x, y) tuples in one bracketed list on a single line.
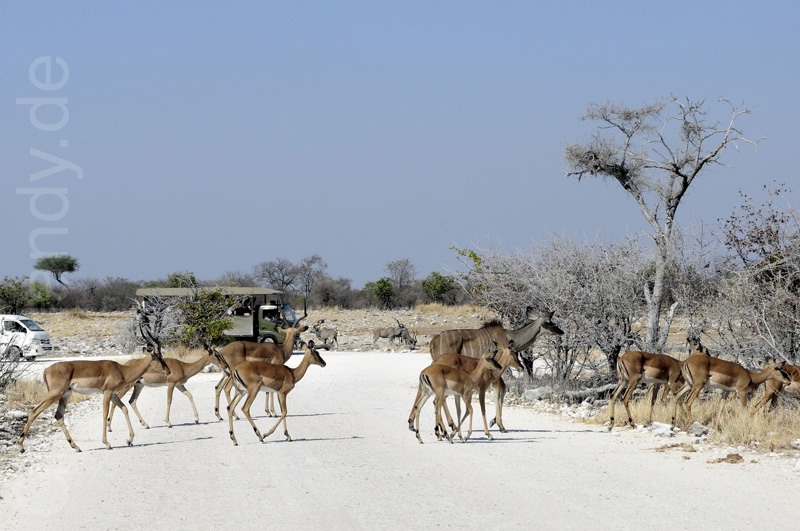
[(57, 265), (654, 153)]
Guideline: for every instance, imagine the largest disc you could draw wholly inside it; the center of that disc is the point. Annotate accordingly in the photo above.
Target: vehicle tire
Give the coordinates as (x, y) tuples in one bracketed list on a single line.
[(14, 353), (267, 339), (30, 358)]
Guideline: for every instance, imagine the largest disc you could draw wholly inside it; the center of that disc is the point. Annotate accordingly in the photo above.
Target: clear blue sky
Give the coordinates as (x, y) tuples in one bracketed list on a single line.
[(215, 135)]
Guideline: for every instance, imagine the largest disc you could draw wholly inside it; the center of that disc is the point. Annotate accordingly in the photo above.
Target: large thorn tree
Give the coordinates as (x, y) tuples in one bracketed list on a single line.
[(655, 152)]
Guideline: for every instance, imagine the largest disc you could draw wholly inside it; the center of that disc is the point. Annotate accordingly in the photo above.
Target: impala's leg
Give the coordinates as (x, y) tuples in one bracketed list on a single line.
[(450, 421), (282, 418), (653, 397), (218, 391), (468, 404), (422, 396), (682, 391), (233, 403), (188, 395), (614, 397), (50, 399), (116, 400), (62, 407), (633, 381), (482, 402), (500, 388), (438, 400), (138, 387), (414, 409), (251, 396)]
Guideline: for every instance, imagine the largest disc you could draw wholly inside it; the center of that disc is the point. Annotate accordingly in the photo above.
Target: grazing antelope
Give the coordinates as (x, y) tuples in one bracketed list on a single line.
[(474, 342), (700, 370), (239, 351), (325, 334), (441, 380), (505, 358), (179, 373), (773, 388), (651, 369), (250, 377)]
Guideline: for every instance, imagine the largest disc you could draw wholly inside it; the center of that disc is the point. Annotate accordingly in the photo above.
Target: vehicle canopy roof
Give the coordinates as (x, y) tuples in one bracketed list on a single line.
[(185, 292)]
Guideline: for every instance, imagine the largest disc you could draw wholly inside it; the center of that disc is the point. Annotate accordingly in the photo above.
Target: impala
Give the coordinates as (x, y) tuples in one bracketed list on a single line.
[(95, 376), (650, 369), (250, 377), (179, 373), (440, 381), (505, 358), (239, 351), (700, 370), (474, 342), (773, 388)]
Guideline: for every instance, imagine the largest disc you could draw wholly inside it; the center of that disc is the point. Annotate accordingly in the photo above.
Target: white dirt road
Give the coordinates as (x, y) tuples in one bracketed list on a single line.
[(354, 464)]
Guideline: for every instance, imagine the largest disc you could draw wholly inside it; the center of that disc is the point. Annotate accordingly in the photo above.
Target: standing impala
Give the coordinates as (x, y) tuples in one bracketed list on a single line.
[(251, 376), (95, 376), (773, 388)]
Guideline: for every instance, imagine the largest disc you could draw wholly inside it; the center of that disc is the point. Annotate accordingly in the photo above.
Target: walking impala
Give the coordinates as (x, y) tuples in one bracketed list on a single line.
[(702, 370), (239, 351), (440, 381), (95, 376), (651, 369), (180, 372), (474, 342), (250, 377), (505, 358)]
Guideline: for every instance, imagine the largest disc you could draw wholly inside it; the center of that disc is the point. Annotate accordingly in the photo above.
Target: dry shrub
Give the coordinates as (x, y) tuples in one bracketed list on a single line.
[(77, 314), (435, 307)]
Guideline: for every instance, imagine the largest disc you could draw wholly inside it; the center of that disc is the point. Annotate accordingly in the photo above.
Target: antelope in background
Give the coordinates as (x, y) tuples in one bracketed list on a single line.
[(394, 332), (325, 334)]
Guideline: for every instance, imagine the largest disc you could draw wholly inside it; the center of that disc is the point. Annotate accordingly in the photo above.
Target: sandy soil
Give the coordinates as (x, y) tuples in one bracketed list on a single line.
[(354, 464)]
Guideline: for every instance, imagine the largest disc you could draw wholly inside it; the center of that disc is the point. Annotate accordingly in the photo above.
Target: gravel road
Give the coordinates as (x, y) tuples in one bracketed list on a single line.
[(354, 464)]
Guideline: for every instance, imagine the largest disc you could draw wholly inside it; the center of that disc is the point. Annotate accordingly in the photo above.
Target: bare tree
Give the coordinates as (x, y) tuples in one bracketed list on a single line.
[(312, 270), (280, 274), (402, 273), (758, 307), (655, 152)]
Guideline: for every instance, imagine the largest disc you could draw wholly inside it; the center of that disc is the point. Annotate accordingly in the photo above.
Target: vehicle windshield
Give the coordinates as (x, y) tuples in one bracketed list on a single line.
[(288, 315), (33, 326)]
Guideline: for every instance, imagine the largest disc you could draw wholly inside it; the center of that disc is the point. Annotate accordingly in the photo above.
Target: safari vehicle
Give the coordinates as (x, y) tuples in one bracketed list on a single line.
[(256, 316), (22, 337)]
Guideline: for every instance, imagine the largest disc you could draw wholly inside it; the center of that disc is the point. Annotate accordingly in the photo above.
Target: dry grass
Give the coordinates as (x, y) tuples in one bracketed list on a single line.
[(77, 314), (732, 425), (25, 394)]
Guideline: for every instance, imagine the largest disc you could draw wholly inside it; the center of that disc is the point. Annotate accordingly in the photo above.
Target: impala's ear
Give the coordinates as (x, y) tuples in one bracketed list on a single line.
[(311, 344)]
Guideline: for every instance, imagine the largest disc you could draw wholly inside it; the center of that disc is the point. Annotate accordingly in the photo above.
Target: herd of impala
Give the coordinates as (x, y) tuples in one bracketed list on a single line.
[(464, 361)]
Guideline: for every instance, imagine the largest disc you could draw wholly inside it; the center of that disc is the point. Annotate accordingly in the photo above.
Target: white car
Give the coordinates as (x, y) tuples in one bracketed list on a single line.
[(22, 337)]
